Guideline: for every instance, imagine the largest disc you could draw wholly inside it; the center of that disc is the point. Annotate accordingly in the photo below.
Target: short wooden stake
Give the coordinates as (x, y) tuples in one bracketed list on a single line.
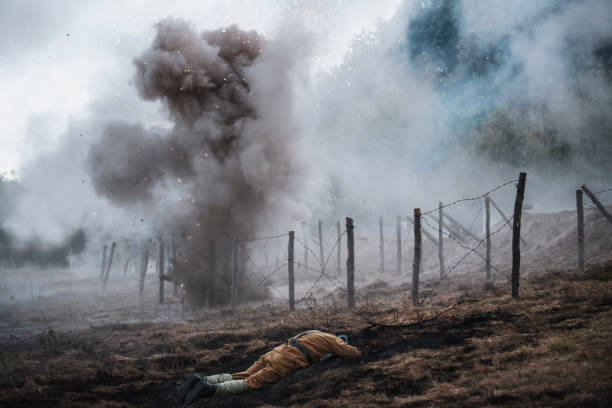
[(441, 240), (488, 236), (143, 269), (516, 235), (381, 246), (110, 263), (350, 262), (235, 273), (597, 203), (416, 263), (103, 262), (580, 214), (160, 270), (339, 248), (290, 271)]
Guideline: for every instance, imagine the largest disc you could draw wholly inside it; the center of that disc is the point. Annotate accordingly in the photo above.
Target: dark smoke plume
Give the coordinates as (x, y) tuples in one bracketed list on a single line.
[(223, 169)]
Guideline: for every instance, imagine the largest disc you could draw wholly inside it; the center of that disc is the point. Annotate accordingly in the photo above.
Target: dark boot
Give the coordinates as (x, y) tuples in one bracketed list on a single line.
[(201, 390), (186, 386)]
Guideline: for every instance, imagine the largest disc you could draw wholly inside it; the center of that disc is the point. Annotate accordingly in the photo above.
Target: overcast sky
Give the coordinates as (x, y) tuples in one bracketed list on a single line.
[(58, 57)]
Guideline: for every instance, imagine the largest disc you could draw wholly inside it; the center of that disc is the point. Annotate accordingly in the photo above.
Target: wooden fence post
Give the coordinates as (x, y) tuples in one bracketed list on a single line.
[(321, 253), (339, 248), (143, 269), (127, 258), (488, 236), (110, 262), (441, 240), (399, 244), (160, 269), (381, 246), (597, 203), (350, 262), (424, 232), (234, 272), (580, 214), (516, 235), (173, 263), (290, 271), (103, 262), (416, 263)]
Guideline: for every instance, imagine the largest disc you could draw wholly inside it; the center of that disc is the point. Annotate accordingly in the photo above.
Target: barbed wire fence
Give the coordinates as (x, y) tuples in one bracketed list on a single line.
[(255, 276), (334, 283)]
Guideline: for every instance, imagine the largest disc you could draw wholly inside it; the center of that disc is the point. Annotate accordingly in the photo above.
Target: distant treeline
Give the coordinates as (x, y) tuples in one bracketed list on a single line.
[(17, 254)]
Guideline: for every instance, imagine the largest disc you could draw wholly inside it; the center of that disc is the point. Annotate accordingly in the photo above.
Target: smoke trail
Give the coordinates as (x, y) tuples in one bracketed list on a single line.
[(224, 168)]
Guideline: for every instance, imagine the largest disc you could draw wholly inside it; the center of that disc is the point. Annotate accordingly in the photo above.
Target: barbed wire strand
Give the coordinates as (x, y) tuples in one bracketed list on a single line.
[(474, 249), (603, 191), (470, 199), (476, 217), (262, 238), (446, 274), (323, 267)]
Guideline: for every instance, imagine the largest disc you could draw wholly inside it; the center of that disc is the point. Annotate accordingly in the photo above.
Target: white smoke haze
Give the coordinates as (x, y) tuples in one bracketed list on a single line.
[(200, 136)]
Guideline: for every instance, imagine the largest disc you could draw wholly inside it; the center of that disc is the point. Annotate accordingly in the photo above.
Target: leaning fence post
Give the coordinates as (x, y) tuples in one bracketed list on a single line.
[(127, 258), (440, 240), (110, 262), (398, 231), (143, 269), (381, 246), (516, 235), (350, 263), (416, 263), (597, 203), (492, 202), (160, 269), (580, 214), (103, 262), (488, 236), (290, 271), (234, 272), (338, 247)]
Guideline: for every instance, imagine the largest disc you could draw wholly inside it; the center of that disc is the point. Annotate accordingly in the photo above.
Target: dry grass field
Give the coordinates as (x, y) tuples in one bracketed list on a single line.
[(471, 345)]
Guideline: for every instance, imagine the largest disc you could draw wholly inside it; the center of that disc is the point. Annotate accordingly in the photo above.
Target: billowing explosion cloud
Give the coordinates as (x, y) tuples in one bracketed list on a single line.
[(224, 168)]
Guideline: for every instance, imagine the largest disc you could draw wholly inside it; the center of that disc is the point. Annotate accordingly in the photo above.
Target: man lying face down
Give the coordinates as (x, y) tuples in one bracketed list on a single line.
[(299, 352)]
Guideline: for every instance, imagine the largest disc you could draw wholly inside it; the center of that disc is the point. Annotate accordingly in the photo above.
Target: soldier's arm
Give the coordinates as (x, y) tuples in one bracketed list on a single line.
[(340, 348)]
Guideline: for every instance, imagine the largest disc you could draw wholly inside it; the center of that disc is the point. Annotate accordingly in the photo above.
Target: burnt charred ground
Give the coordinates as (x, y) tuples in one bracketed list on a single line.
[(473, 347)]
